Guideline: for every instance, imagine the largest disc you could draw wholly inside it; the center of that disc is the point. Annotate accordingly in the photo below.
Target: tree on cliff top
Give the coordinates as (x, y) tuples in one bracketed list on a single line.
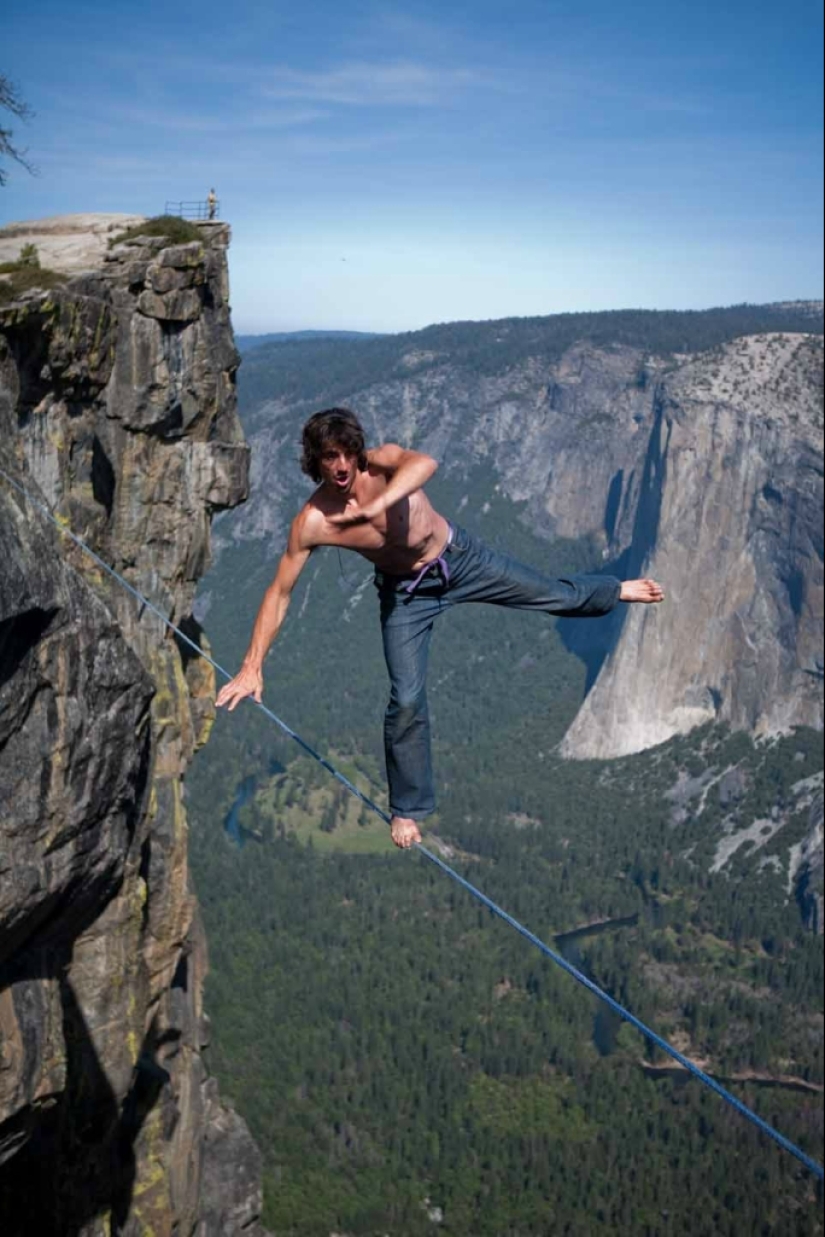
[(12, 102)]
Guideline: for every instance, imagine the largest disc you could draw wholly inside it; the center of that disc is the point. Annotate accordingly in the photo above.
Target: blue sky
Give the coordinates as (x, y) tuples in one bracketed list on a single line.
[(389, 165)]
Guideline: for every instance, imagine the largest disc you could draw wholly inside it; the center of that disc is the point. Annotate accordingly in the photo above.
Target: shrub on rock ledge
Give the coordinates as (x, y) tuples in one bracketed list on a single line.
[(172, 228)]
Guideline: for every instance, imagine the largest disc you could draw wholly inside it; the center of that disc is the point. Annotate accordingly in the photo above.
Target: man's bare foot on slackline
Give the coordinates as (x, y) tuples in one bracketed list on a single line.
[(404, 832)]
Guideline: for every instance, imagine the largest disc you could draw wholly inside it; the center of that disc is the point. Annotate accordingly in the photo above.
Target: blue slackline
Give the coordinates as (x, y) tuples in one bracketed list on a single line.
[(581, 978)]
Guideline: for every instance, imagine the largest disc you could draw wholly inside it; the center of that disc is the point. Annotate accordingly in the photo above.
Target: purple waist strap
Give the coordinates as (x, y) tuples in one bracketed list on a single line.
[(435, 564), (439, 563)]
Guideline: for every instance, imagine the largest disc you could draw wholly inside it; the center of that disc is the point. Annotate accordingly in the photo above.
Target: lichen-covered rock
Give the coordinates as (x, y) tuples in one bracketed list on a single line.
[(173, 305), (231, 1196), (74, 733), (126, 425)]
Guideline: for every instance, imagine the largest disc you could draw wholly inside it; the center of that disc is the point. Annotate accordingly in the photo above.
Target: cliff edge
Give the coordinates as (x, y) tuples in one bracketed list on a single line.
[(117, 405)]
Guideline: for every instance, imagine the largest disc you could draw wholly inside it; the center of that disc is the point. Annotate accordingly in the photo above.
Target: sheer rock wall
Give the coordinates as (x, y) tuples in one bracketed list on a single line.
[(117, 405), (733, 502)]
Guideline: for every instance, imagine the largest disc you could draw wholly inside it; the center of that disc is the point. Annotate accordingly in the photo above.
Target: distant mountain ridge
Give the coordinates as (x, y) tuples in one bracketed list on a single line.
[(326, 367), (245, 343)]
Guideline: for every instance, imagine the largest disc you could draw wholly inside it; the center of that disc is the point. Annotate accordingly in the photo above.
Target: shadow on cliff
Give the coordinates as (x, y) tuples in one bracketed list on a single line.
[(594, 642), (76, 1158)]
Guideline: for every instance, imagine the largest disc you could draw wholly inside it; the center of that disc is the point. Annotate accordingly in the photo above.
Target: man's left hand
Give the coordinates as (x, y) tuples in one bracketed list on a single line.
[(355, 515)]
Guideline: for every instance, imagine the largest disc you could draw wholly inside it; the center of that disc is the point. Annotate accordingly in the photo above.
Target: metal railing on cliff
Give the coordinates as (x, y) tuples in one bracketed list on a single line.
[(207, 211)]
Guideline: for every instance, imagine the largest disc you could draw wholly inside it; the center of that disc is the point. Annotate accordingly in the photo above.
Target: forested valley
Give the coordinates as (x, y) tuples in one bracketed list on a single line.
[(407, 1063)]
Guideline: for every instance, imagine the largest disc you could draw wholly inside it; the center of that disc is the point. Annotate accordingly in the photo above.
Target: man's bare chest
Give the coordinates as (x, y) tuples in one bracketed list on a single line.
[(395, 536)]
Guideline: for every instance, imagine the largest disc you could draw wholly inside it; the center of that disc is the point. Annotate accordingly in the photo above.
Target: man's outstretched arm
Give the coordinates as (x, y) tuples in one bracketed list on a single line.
[(249, 679)]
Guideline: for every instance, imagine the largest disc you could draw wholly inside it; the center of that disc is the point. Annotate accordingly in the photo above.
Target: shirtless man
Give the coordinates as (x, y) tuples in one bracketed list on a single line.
[(373, 502)]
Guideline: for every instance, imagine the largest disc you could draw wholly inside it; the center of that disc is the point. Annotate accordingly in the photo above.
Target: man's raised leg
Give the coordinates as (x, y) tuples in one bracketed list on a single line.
[(481, 574)]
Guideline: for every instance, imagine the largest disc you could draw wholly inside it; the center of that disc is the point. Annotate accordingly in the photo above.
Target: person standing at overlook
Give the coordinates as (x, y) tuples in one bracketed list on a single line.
[(211, 204), (373, 502)]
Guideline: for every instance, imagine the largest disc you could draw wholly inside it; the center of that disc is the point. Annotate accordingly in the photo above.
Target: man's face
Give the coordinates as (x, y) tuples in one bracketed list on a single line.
[(338, 468)]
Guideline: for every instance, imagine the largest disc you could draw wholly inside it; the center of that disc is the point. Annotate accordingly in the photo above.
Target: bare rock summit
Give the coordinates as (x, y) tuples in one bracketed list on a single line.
[(66, 243)]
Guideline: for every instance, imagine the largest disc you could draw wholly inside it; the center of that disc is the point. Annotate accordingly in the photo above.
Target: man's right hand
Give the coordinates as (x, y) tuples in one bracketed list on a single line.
[(247, 682)]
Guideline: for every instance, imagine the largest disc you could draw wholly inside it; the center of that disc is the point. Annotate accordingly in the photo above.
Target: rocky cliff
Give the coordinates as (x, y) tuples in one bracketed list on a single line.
[(117, 404), (730, 519)]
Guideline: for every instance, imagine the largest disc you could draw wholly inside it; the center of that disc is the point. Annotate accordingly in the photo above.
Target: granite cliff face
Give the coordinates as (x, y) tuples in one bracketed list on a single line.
[(117, 404), (732, 509)]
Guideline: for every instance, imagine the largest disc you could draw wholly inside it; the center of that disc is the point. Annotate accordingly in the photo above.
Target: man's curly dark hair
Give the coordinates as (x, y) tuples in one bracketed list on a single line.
[(336, 426)]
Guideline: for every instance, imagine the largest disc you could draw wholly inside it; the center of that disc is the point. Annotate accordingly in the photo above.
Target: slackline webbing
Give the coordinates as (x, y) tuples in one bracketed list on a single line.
[(560, 961)]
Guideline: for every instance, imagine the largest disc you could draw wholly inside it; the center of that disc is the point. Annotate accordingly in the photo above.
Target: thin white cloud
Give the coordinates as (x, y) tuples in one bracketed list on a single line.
[(193, 122), (397, 83)]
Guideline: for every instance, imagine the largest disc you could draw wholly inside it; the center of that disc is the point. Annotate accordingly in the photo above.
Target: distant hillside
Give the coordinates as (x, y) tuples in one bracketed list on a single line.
[(246, 343), (327, 367)]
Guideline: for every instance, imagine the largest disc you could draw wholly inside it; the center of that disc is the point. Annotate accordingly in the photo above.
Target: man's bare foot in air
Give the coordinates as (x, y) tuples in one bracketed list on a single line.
[(404, 832), (641, 590)]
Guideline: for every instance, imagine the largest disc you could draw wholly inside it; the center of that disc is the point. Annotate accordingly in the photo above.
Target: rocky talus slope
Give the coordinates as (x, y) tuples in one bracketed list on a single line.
[(117, 405)]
